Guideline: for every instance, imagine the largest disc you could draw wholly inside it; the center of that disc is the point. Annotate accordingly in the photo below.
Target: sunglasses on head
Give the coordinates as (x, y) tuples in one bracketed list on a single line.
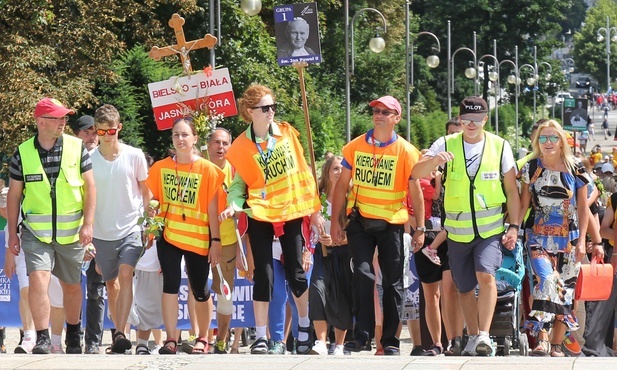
[(385, 112), (266, 108), (467, 122), (110, 131), (542, 139)]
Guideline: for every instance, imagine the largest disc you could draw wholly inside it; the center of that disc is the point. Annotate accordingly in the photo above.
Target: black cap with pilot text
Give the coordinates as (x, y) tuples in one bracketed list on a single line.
[(473, 108)]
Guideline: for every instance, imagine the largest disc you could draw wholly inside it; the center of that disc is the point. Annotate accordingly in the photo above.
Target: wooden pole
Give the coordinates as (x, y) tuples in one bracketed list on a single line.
[(300, 67)]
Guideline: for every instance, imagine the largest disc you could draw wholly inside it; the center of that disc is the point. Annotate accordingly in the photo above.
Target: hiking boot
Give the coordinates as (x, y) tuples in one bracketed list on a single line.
[(277, 348), (73, 343), (43, 346)]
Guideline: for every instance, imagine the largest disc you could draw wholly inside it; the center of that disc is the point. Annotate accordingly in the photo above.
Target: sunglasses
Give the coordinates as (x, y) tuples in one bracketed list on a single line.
[(542, 139), (467, 122), (266, 108), (110, 131), (385, 112), (59, 119)]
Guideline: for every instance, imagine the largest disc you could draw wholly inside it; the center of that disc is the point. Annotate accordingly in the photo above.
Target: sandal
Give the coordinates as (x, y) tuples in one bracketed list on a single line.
[(167, 349), (557, 351), (435, 350), (120, 343), (303, 347), (542, 349), (432, 256), (200, 351)]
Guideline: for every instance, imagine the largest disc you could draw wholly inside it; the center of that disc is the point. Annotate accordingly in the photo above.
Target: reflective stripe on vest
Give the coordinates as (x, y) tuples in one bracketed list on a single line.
[(474, 209), (37, 205), (380, 177), (289, 192)]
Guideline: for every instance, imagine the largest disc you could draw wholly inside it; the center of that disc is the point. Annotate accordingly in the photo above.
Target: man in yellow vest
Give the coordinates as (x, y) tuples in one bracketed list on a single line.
[(51, 176), (379, 163), (479, 179)]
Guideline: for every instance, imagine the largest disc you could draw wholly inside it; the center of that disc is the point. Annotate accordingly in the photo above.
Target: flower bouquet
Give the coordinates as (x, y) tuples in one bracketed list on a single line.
[(152, 224)]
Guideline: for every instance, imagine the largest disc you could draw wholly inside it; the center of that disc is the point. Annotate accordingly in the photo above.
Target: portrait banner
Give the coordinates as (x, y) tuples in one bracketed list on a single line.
[(296, 28)]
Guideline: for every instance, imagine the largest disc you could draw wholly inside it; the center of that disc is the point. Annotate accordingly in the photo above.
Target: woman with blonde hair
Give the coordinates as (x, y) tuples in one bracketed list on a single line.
[(557, 191)]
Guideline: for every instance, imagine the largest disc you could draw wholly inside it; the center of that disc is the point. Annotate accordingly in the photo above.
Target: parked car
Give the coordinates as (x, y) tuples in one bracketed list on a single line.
[(583, 82), (561, 96)]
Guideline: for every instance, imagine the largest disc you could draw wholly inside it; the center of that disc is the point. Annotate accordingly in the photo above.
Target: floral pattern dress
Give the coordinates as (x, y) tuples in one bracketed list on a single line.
[(551, 245)]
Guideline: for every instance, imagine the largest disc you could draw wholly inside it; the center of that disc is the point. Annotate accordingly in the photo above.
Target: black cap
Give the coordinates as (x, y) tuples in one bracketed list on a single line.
[(473, 108), (83, 123)]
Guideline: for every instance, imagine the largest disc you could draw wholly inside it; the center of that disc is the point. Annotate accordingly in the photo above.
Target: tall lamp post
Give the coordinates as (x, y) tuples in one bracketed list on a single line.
[(567, 65), (249, 7), (512, 79), (493, 76), (610, 34), (547, 77), (470, 72), (376, 45), (432, 61)]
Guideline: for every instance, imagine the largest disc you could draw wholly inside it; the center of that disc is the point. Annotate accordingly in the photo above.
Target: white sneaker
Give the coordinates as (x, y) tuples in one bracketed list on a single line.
[(319, 348), (483, 344), (339, 351), (56, 349), (470, 348), (155, 350), (25, 347)]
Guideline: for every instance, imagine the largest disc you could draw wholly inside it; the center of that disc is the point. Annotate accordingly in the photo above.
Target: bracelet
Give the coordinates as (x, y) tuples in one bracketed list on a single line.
[(514, 226), (215, 240), (599, 244)]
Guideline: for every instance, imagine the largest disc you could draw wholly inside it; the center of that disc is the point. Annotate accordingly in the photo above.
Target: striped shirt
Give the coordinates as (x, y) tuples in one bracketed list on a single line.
[(50, 160)]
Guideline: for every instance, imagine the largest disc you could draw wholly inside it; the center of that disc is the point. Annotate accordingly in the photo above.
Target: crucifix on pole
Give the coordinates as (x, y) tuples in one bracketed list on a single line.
[(182, 46)]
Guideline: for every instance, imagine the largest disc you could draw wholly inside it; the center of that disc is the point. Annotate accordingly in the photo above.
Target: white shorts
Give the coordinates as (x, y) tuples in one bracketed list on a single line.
[(147, 311), (56, 297)]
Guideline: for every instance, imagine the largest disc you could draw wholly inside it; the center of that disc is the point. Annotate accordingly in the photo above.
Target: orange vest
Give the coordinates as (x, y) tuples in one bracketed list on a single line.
[(289, 192), (380, 178), (184, 192)]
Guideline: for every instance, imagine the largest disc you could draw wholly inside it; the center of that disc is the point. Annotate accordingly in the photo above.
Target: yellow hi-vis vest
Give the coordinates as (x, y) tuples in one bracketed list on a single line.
[(474, 208), (53, 215)]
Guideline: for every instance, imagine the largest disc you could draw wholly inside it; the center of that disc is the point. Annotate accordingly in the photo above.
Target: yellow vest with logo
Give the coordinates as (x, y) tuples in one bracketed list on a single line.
[(380, 177), (38, 205), (474, 208), (289, 192)]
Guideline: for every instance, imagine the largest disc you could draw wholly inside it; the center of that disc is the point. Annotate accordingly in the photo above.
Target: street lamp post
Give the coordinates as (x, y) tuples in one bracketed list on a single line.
[(547, 77), (470, 72), (376, 45), (249, 7), (512, 79), (567, 65), (493, 76), (608, 31), (432, 61)]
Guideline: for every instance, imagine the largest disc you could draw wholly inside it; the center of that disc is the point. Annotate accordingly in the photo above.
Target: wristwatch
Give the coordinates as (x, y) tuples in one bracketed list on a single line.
[(421, 228)]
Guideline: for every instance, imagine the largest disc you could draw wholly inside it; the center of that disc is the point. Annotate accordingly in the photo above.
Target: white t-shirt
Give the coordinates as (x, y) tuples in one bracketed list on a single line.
[(149, 262), (473, 155), (118, 196)]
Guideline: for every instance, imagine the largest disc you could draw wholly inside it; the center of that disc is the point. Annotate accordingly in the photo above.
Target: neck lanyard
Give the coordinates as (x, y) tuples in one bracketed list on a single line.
[(186, 184), (264, 156), (375, 160)]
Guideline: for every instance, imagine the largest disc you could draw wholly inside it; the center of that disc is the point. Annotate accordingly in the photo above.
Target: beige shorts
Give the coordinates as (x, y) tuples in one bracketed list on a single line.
[(228, 267)]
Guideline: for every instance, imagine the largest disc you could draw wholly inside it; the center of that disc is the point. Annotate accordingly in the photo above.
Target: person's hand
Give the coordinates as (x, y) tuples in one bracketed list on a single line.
[(417, 240), (90, 252), (307, 260), (239, 263), (580, 250), (318, 221), (508, 240), (337, 234), (325, 239), (227, 213), (85, 234), (597, 251), (9, 263), (14, 243), (442, 158), (215, 252)]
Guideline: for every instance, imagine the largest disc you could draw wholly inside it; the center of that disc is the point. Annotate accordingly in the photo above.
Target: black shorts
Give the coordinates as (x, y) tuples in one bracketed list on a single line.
[(429, 272)]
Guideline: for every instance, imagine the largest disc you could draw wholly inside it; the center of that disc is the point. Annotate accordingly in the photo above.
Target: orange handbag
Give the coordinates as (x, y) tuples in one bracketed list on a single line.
[(595, 281)]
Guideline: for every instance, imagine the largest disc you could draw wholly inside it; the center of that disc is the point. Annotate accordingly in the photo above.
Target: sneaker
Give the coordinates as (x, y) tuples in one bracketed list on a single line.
[(260, 346), (432, 256), (142, 349), (417, 351), (340, 351), (391, 351), (25, 347), (155, 350), (484, 346), (319, 348), (571, 346), (470, 348), (73, 343), (358, 345), (56, 349), (277, 348), (455, 347), (220, 347), (92, 349), (43, 346), (120, 343)]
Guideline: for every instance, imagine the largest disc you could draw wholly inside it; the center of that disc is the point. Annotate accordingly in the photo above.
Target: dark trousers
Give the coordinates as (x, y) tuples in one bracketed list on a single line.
[(389, 245), (261, 235), (599, 325), (95, 306)]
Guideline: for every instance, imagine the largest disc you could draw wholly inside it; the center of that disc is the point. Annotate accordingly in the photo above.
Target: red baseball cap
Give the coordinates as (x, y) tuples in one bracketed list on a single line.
[(389, 102), (51, 107)]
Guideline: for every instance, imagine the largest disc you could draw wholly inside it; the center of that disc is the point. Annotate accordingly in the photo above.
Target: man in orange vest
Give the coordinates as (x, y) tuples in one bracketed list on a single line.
[(379, 163)]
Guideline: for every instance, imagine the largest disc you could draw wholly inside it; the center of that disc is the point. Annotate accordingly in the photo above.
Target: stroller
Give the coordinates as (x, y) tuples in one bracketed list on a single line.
[(506, 319)]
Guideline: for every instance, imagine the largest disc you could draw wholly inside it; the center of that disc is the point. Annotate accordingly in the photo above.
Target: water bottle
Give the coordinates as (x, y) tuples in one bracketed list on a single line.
[(84, 267), (314, 238)]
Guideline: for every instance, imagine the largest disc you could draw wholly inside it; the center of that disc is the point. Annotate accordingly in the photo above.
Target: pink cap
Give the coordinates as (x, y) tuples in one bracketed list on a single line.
[(389, 102), (51, 107)]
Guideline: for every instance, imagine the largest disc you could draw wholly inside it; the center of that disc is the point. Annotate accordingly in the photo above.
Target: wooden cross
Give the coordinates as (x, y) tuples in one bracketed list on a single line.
[(182, 47)]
